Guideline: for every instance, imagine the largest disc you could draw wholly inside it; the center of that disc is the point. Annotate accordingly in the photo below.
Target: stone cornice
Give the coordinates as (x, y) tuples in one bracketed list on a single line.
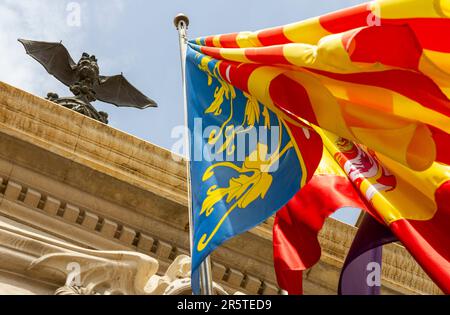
[(91, 222), (79, 271), (83, 140)]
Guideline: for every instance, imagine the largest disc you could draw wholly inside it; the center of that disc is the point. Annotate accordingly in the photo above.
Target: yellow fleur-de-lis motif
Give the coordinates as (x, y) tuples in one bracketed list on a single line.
[(228, 144), (224, 91), (266, 116), (242, 189), (253, 178), (252, 111), (203, 65), (253, 182)]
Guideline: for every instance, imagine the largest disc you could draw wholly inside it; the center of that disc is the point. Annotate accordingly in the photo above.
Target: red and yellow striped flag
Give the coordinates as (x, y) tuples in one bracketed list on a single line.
[(296, 227), (414, 205), (377, 74)]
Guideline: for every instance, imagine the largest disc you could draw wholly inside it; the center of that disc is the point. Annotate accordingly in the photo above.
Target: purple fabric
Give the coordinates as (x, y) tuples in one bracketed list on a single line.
[(366, 249)]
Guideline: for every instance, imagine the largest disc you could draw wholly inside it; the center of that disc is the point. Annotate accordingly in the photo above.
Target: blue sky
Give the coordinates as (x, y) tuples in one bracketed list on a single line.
[(136, 37)]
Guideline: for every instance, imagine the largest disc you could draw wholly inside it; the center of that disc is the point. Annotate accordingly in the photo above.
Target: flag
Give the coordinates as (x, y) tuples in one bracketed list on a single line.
[(376, 74), (296, 227), (414, 205), (361, 273), (247, 161)]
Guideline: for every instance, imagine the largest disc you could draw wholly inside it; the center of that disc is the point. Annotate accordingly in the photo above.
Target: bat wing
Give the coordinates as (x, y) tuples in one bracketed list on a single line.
[(118, 91), (54, 57)]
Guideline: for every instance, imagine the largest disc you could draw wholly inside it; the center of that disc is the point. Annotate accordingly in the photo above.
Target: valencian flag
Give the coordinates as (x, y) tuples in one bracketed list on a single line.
[(413, 204), (247, 161), (377, 74), (296, 226)]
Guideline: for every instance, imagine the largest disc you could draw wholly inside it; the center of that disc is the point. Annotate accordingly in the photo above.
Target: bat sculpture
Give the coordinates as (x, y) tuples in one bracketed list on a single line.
[(84, 80)]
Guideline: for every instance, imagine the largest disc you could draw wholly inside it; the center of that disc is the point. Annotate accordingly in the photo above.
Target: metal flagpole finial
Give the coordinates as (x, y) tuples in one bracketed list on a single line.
[(181, 20)]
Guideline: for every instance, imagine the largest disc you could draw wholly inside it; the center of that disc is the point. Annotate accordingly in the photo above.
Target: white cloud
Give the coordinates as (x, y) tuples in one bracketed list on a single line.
[(110, 9), (47, 20), (36, 20), (105, 28)]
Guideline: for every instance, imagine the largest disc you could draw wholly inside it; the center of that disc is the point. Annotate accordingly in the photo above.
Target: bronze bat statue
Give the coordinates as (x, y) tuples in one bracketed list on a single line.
[(84, 80)]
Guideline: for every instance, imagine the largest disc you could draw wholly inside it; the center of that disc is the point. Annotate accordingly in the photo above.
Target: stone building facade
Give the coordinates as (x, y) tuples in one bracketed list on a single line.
[(88, 209)]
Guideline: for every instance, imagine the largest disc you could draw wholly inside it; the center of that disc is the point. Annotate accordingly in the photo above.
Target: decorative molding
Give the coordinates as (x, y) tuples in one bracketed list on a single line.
[(86, 141), (74, 290), (74, 270), (103, 272), (123, 237)]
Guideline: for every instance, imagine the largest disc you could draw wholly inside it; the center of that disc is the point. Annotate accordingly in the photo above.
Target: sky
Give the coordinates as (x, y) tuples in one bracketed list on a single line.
[(136, 37)]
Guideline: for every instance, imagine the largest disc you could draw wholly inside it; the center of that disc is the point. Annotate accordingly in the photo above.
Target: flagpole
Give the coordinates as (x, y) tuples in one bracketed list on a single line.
[(181, 22)]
